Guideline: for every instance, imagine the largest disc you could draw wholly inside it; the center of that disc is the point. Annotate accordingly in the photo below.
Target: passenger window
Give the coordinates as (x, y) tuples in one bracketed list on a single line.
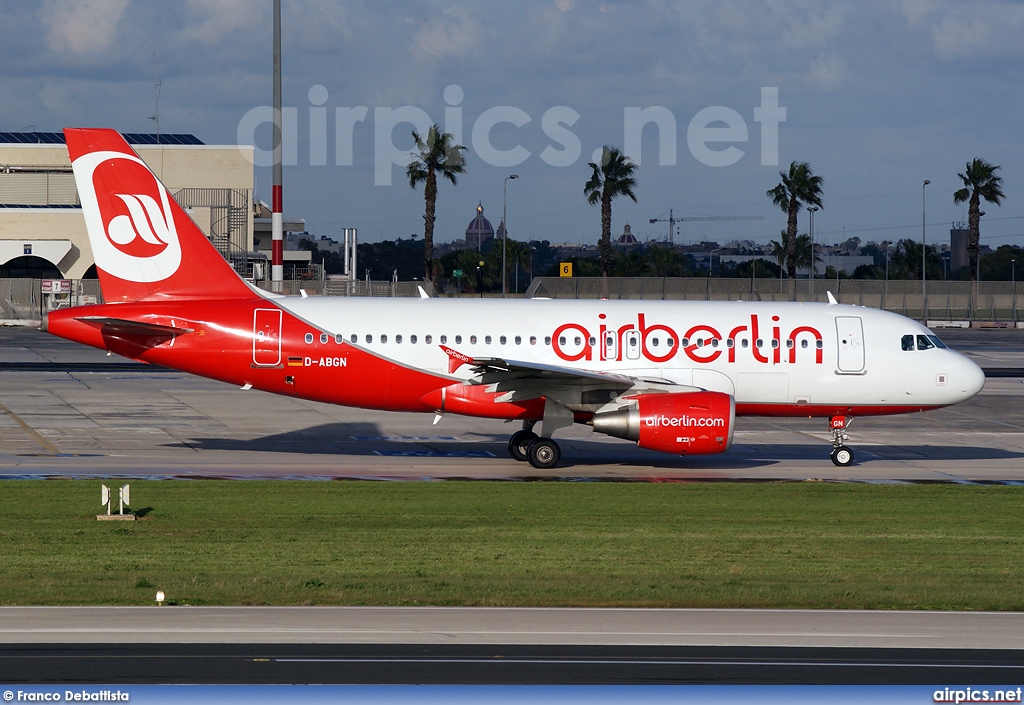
[(487, 340), (309, 338), (458, 340), (472, 339), (730, 343), (412, 339), (654, 342), (533, 340), (759, 343), (818, 344), (444, 339), (907, 342), (519, 340), (686, 342), (923, 343), (383, 338), (428, 339), (339, 339), (592, 340), (714, 342), (354, 338), (803, 343), (398, 339), (502, 340), (670, 342), (790, 344), (369, 338), (744, 343), (775, 343), (547, 340), (324, 338)]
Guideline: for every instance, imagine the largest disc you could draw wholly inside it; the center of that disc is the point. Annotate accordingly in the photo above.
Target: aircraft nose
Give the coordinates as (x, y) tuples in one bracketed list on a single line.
[(970, 378)]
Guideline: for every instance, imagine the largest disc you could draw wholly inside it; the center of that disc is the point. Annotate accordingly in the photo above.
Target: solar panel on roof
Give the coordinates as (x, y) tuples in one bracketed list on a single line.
[(131, 137)]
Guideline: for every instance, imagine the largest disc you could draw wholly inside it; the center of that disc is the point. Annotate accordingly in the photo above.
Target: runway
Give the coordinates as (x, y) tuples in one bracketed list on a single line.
[(506, 646), (64, 414)]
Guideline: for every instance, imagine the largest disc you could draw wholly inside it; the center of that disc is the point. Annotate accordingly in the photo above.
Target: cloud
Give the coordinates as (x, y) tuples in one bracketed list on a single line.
[(218, 18), (827, 72), (453, 34), (84, 27), (979, 30)]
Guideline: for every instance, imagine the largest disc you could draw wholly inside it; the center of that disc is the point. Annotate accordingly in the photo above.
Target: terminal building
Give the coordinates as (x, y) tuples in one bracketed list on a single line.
[(42, 231)]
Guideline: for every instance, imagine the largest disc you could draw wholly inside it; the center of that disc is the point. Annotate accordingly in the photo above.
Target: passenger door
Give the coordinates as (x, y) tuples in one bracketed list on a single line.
[(266, 337), (850, 334)]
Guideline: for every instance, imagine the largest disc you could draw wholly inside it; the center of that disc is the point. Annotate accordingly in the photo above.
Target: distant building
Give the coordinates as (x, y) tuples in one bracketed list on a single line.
[(42, 231), (479, 234), (958, 238), (627, 239)]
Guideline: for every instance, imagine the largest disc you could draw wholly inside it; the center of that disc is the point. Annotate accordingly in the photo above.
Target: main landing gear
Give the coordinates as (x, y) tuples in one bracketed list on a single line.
[(841, 455), (542, 453)]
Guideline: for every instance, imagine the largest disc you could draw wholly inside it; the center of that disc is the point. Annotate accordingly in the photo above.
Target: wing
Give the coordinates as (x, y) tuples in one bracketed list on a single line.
[(576, 389)]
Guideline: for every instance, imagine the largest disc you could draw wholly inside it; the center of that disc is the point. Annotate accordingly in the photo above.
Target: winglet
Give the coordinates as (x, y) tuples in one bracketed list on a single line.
[(455, 359), (423, 294), (831, 299)]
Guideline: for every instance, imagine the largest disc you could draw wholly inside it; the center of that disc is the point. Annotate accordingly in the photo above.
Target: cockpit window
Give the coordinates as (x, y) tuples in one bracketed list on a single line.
[(923, 343), (938, 343), (907, 342)]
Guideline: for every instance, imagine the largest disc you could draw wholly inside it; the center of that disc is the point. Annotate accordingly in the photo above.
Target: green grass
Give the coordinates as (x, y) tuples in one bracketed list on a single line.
[(481, 543)]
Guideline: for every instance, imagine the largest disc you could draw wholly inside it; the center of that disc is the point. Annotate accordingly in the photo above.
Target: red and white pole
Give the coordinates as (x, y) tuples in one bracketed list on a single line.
[(277, 219)]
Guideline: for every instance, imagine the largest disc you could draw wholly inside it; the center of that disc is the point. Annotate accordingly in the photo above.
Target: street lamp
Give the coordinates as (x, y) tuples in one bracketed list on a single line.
[(1013, 278), (504, 238), (810, 284), (924, 279), (711, 261)]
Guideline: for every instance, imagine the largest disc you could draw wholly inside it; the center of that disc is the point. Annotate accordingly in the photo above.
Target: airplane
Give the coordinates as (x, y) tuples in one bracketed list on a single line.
[(671, 376)]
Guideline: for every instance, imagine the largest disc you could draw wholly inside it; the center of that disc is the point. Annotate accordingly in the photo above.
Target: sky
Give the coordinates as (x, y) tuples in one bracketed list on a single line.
[(711, 99)]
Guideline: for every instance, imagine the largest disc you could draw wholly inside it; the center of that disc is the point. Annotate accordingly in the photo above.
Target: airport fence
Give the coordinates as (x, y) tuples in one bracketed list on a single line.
[(24, 299), (934, 300)]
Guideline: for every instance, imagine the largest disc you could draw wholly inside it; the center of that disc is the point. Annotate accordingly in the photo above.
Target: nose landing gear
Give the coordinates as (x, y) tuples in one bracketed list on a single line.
[(841, 455)]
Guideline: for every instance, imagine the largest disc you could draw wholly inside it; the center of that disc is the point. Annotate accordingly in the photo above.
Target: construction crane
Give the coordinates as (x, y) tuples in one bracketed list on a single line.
[(672, 220)]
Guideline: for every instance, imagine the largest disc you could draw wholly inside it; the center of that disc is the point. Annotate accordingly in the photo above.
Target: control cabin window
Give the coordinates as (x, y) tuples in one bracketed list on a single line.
[(907, 342)]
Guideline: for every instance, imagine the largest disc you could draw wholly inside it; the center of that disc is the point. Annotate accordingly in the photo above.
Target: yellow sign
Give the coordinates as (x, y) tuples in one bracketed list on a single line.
[(565, 269)]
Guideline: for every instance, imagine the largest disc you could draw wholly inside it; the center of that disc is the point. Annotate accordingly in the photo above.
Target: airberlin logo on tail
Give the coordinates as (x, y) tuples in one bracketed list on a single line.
[(128, 216), (144, 225)]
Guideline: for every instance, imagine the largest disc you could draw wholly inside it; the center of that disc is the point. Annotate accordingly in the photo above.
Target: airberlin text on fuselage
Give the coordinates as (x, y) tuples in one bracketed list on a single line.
[(704, 343)]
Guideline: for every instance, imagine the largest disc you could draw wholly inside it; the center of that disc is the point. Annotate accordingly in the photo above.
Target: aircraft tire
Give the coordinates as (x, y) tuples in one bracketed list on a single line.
[(842, 456), (543, 453), (519, 444)]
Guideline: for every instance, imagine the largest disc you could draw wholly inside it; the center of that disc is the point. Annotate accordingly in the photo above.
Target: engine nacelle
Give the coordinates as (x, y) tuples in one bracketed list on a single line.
[(696, 423)]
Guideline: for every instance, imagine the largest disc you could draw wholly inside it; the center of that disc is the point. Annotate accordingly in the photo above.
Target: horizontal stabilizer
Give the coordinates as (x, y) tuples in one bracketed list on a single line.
[(132, 329)]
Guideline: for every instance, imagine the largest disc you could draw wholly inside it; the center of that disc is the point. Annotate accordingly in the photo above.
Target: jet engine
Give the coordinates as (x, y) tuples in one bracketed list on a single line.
[(696, 423)]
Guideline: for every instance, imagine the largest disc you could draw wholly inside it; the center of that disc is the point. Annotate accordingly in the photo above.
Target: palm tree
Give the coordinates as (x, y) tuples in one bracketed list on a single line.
[(980, 181), (438, 154), (614, 177), (798, 187)]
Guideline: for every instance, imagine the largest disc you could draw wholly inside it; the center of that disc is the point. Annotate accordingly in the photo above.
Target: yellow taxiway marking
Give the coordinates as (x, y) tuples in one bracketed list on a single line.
[(31, 431)]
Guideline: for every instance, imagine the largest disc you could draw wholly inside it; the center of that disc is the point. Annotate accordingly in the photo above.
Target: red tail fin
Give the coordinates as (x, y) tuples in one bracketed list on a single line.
[(145, 245)]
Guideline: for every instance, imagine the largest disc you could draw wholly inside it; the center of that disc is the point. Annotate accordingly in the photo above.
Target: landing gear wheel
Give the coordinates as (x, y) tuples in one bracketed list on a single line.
[(519, 443), (842, 456), (543, 453)]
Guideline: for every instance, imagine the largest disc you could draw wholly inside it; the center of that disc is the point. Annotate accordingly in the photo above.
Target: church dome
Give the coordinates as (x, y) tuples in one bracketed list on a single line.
[(480, 229)]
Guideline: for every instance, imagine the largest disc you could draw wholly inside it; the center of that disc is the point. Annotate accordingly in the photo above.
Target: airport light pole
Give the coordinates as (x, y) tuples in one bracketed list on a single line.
[(924, 277), (812, 210), (1013, 278), (504, 237)]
